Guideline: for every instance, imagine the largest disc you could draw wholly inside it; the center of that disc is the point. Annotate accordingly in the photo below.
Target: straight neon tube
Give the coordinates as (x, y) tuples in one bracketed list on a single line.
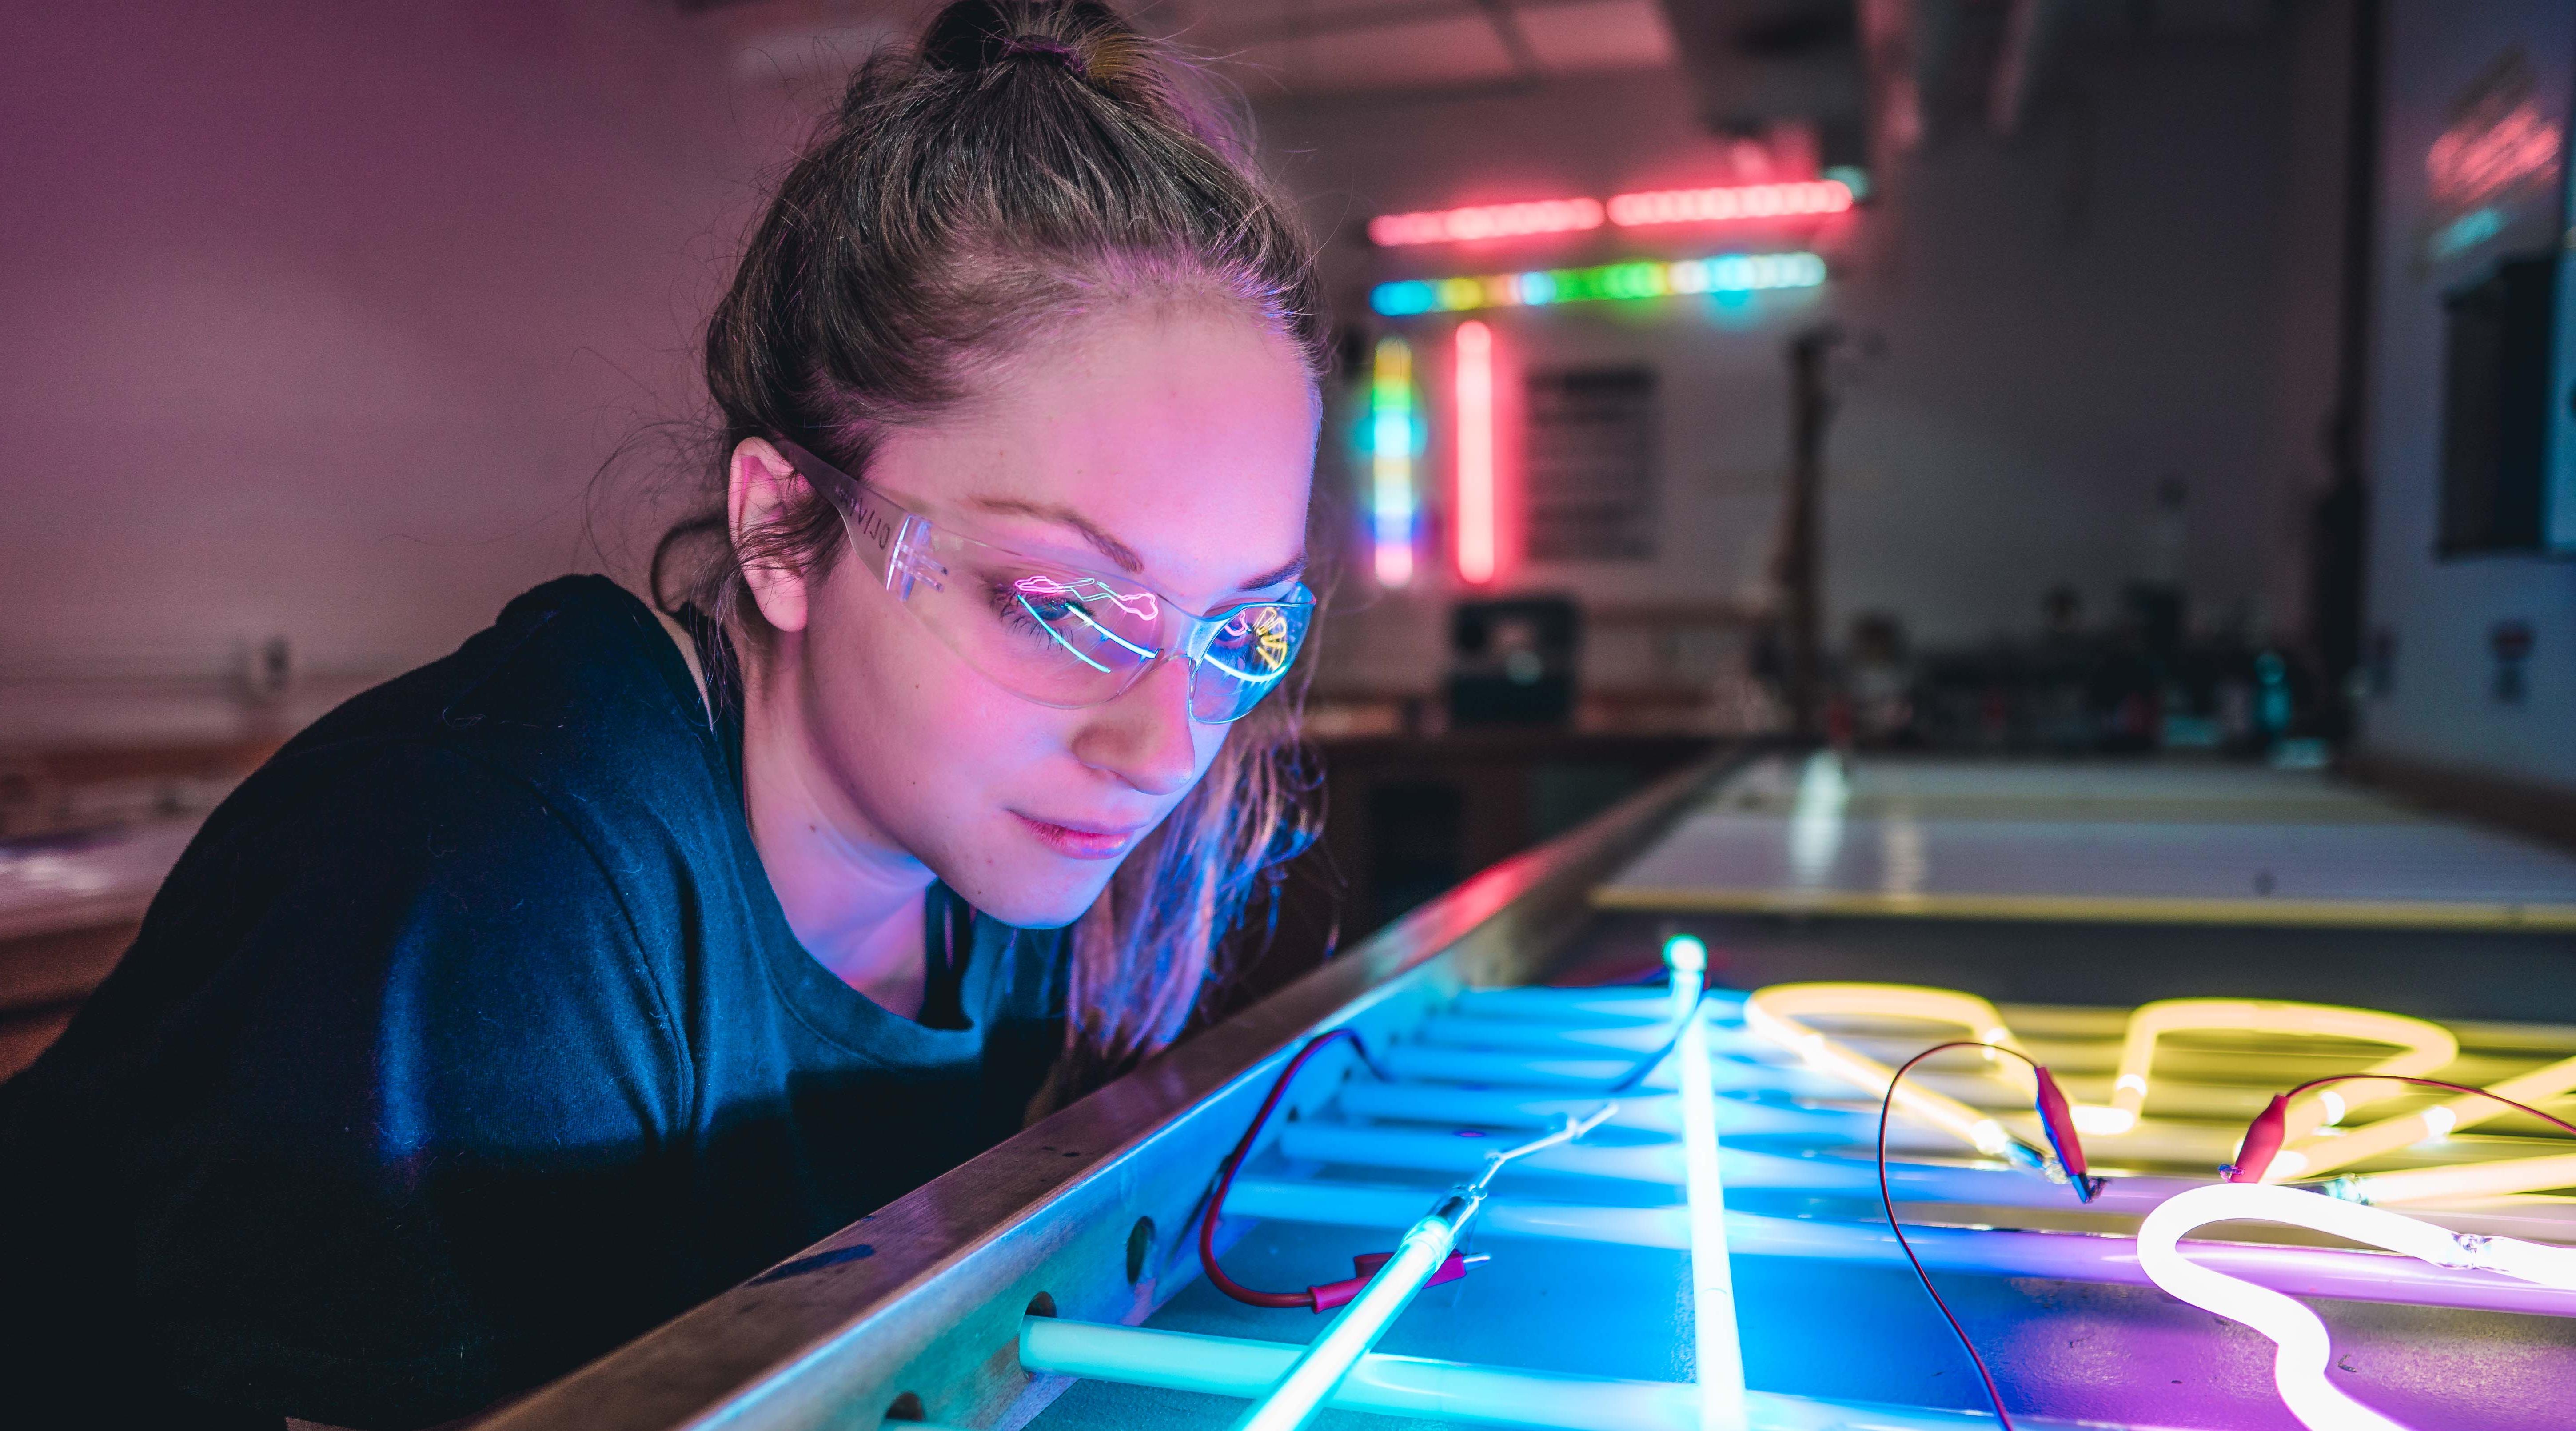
[(1302, 1390), (1475, 375), (2303, 1346), (1391, 496), (1720, 1364), (2323, 1152)]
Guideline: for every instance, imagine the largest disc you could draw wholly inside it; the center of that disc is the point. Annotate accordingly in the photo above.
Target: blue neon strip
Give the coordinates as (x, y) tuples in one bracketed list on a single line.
[(1059, 640)]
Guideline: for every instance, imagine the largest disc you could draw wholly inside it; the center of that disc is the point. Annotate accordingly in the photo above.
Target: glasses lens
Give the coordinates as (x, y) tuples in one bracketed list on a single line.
[(1246, 655), (1060, 638)]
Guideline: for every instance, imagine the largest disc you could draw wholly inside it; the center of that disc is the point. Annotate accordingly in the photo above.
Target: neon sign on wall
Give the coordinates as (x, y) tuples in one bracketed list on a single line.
[(1639, 210)]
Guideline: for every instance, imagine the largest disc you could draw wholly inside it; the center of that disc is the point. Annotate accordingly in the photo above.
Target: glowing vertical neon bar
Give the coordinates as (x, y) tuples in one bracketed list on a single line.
[(1720, 1355), (1391, 497), (1475, 452)]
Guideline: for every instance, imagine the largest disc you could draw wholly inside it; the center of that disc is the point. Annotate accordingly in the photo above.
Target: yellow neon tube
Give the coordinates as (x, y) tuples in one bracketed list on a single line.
[(2324, 1152), (1779, 1013), (2422, 1048), (2501, 1177)]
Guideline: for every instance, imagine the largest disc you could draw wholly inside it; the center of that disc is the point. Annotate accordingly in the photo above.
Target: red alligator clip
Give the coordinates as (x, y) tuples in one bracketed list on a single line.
[(1333, 1294)]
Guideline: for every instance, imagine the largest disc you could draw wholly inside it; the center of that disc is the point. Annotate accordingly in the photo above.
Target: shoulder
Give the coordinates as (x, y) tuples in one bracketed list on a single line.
[(578, 657), (571, 721)]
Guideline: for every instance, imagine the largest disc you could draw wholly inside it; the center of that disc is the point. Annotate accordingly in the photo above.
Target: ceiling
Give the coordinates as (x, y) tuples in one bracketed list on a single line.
[(1340, 46)]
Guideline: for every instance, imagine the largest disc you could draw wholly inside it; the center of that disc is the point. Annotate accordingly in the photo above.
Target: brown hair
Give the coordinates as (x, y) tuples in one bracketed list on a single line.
[(1024, 164)]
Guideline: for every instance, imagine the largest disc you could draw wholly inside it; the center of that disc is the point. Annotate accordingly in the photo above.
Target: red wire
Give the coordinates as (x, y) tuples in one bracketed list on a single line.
[(2432, 1083), (1884, 1200), (1225, 1181)]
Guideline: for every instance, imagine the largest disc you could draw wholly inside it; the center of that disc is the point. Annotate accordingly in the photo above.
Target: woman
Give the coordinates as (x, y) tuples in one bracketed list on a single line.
[(540, 993)]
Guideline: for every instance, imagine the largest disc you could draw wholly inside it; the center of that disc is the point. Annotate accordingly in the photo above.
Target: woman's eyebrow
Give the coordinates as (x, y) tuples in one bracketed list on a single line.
[(1294, 568), (1107, 545)]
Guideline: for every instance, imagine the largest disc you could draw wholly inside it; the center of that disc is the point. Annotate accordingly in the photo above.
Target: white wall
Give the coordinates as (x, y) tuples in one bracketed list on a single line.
[(322, 316), (2139, 286), (2439, 707)]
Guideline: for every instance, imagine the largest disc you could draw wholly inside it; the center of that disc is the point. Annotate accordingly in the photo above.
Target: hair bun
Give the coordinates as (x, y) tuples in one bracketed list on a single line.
[(982, 34)]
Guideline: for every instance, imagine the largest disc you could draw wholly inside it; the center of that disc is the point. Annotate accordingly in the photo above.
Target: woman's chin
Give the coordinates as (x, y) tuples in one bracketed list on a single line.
[(1035, 897)]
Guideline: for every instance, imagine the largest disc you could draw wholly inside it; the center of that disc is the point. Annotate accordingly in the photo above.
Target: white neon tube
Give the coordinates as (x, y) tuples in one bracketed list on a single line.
[(1721, 1356), (2304, 1348), (1309, 1381)]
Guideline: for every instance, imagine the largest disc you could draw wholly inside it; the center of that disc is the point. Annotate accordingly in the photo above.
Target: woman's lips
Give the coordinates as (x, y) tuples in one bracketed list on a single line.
[(1080, 841)]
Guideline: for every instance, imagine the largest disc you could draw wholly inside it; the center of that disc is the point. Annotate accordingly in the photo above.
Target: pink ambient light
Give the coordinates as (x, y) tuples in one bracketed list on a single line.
[(1142, 605), (1485, 221), (1750, 201), (1475, 452)]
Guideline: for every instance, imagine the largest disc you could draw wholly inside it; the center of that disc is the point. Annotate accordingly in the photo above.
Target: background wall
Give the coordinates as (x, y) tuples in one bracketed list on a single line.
[(2137, 287), (322, 317), (2436, 701)]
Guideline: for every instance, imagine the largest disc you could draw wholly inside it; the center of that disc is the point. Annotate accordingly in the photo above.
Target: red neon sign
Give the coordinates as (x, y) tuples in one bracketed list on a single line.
[(1544, 216), (1475, 452), (1661, 206), (1750, 201)]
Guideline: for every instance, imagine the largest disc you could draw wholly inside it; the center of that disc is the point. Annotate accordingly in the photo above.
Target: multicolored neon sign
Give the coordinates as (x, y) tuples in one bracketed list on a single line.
[(1726, 273), (1392, 502), (1727, 204)]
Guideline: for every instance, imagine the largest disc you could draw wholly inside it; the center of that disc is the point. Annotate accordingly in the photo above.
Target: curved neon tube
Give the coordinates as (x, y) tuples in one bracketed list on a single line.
[(2304, 1348), (1779, 1013), (2422, 1048)]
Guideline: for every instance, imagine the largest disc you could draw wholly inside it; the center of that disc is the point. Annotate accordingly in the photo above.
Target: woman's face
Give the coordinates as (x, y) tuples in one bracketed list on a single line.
[(1175, 445)]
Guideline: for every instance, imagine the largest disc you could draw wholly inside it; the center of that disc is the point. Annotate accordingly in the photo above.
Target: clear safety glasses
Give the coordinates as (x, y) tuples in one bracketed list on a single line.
[(1055, 634)]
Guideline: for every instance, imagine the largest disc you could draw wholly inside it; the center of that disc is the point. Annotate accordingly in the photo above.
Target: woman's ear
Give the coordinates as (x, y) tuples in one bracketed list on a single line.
[(757, 493)]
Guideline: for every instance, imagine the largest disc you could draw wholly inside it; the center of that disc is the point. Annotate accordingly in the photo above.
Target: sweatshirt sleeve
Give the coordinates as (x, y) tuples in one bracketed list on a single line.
[(406, 1145)]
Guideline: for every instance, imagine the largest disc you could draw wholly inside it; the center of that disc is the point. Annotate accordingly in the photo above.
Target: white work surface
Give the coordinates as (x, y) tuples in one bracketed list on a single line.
[(2138, 842)]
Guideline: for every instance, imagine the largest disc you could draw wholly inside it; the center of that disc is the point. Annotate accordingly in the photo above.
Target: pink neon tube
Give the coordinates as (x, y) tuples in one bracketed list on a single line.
[(1475, 452)]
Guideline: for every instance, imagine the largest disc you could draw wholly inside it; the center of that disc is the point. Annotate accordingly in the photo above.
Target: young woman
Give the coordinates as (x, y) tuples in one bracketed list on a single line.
[(538, 994)]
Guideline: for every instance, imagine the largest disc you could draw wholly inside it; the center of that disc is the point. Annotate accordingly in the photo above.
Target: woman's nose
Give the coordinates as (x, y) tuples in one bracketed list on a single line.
[(1145, 737)]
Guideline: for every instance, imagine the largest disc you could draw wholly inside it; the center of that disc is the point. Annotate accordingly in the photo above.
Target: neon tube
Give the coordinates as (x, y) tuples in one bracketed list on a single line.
[(2304, 1347), (1991, 1252), (1475, 452), (1777, 1013), (2501, 1177), (1391, 498), (1301, 1391), (1485, 221), (1725, 273), (1750, 201), (2423, 1047), (1720, 1356), (1426, 1388), (2322, 1152)]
